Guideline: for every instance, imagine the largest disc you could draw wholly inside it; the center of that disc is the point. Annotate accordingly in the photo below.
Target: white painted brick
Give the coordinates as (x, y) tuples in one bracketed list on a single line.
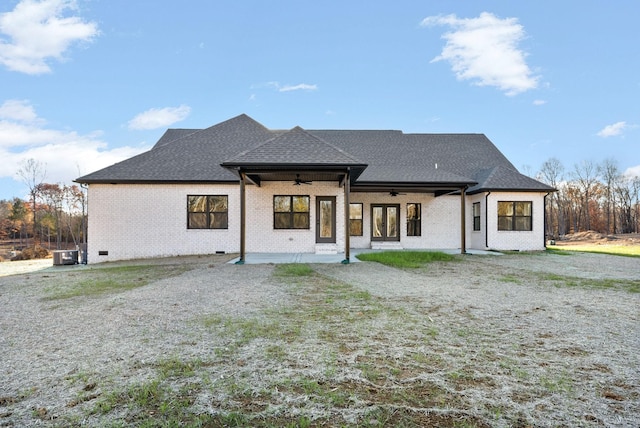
[(263, 238), (140, 221), (517, 240), (144, 220)]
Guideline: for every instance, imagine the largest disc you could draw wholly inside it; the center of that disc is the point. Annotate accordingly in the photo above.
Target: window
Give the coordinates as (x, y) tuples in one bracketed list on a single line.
[(355, 219), (207, 211), (514, 215), (476, 216), (413, 220), (291, 212)]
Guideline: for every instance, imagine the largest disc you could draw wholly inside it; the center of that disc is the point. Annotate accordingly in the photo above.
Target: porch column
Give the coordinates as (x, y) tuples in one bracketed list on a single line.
[(463, 227), (243, 212), (347, 234)]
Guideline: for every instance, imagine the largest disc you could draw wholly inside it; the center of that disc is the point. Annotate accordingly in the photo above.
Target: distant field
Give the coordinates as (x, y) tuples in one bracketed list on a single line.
[(618, 250), (591, 242)]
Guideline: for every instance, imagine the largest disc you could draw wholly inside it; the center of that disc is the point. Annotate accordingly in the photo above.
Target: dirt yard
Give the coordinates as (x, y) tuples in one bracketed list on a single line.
[(519, 340), (595, 238)]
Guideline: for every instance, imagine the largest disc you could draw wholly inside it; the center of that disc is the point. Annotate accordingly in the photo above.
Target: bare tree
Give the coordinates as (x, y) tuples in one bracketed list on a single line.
[(610, 173), (53, 196), (627, 194), (586, 176), (635, 191), (32, 173), (551, 173)]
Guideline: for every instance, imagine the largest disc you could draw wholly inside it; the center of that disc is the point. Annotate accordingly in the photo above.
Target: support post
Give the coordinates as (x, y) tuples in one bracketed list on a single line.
[(463, 225), (347, 233), (243, 215)]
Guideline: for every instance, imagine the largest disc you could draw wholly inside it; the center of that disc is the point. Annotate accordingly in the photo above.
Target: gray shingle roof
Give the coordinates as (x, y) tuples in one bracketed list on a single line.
[(294, 147), (193, 157), (502, 178), (390, 156)]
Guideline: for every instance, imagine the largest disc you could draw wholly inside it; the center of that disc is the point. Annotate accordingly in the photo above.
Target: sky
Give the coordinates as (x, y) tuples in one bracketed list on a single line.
[(87, 83)]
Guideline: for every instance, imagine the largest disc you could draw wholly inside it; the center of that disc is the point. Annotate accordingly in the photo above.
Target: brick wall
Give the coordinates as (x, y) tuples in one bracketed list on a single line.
[(516, 240), (440, 219), (261, 237), (137, 221)]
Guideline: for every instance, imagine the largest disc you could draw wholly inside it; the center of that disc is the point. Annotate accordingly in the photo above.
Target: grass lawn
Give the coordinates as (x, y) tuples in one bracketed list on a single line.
[(406, 259), (616, 250)]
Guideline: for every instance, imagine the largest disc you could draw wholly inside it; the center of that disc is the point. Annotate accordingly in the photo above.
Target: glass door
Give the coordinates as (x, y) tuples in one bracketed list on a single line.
[(385, 221), (326, 219)]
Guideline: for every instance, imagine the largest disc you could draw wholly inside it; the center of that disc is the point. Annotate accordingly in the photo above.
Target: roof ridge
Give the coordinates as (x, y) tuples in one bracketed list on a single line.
[(283, 136), (333, 146), (243, 116)]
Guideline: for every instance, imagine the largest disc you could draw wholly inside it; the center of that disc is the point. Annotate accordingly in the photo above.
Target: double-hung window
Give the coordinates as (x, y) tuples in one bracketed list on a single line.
[(291, 212), (515, 215), (355, 219), (207, 211), (414, 220), (476, 216)]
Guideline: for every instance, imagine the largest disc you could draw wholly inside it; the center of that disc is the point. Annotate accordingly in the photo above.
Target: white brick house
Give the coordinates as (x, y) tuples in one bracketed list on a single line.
[(238, 187)]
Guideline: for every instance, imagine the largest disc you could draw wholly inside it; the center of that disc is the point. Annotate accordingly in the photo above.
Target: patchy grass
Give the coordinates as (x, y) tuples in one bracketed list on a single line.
[(556, 251), (333, 356), (293, 270), (510, 278), (104, 280), (406, 259), (614, 250), (556, 280)]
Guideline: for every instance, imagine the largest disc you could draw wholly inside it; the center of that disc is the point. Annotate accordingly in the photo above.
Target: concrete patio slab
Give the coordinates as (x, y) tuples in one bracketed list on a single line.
[(282, 258)]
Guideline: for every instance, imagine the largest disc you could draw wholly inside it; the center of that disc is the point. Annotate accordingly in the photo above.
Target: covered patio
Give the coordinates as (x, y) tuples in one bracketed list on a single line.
[(283, 258)]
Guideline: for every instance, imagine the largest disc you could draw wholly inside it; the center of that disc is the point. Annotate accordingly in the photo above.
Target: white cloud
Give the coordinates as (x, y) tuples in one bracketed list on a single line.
[(19, 110), (633, 171), (36, 31), (485, 51), (613, 130), (299, 87), (159, 117), (287, 88), (65, 153), (539, 102)]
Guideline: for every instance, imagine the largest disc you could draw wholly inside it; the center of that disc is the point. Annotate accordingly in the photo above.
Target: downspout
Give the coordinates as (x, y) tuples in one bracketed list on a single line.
[(85, 224), (463, 227), (544, 211), (347, 240), (242, 220), (486, 220)]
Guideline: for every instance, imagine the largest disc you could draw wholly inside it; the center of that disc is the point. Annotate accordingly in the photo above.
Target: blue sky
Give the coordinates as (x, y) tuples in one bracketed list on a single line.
[(87, 83)]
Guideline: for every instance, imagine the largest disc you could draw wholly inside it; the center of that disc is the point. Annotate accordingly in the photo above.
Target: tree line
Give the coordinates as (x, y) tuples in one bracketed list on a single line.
[(590, 196), (55, 215)]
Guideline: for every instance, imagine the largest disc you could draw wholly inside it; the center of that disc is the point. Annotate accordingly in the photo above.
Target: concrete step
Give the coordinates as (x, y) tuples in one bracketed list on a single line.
[(326, 249), (386, 245)]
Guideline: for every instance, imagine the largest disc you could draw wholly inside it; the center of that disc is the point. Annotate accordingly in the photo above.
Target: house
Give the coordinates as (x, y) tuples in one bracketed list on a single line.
[(239, 187)]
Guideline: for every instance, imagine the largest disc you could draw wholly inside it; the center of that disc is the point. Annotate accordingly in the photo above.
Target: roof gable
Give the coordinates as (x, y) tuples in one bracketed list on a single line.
[(294, 147), (502, 178), (193, 157)]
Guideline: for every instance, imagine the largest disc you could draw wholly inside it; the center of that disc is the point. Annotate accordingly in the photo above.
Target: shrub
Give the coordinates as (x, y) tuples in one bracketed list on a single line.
[(31, 253)]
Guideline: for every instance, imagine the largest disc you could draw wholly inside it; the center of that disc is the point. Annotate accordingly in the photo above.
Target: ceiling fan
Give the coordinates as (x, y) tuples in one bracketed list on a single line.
[(394, 193), (298, 181)]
